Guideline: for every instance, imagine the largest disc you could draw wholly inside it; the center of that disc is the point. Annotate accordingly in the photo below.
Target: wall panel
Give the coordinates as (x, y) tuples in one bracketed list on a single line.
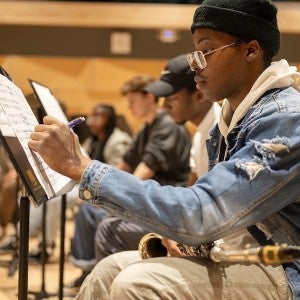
[(81, 82)]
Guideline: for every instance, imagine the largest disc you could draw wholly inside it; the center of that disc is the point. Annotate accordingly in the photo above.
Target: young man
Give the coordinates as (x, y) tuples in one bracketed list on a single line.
[(252, 186), (160, 149)]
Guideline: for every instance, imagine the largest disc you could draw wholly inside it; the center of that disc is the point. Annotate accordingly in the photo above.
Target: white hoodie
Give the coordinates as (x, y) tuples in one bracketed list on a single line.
[(278, 75)]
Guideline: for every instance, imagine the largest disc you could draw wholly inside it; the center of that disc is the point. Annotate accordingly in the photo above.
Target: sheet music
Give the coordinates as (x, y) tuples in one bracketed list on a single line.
[(51, 105), (17, 119), (49, 102)]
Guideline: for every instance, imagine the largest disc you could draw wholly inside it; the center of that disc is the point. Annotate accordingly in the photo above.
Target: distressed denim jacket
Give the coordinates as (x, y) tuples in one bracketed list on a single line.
[(257, 183)]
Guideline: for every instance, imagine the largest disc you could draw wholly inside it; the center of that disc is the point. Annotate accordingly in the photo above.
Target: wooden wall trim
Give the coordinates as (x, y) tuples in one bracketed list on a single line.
[(90, 14), (114, 15)]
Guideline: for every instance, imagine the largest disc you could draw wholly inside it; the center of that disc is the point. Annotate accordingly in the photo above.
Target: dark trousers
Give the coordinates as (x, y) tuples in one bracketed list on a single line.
[(83, 242), (115, 235)]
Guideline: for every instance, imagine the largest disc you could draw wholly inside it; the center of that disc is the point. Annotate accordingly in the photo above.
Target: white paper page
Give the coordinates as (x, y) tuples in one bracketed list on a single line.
[(51, 105), (52, 108), (22, 121), (49, 102)]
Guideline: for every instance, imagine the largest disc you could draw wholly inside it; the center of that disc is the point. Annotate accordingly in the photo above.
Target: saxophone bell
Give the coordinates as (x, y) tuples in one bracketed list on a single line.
[(151, 246)]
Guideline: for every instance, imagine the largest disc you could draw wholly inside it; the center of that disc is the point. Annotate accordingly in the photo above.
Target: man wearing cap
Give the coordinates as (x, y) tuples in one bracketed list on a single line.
[(251, 190), (185, 103)]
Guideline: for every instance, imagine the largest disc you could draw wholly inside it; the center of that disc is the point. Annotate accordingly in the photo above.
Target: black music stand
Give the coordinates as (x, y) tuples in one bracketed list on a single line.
[(62, 246), (27, 164), (61, 293), (44, 98), (23, 246), (42, 294)]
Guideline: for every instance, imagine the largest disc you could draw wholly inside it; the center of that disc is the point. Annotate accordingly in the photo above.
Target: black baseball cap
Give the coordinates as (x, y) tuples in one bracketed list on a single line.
[(177, 75)]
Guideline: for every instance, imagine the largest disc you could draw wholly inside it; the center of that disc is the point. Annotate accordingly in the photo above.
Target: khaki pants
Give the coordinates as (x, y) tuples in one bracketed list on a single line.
[(125, 276)]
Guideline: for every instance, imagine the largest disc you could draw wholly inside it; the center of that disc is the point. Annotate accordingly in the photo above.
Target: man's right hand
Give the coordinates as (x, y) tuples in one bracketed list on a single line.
[(172, 247), (59, 147)]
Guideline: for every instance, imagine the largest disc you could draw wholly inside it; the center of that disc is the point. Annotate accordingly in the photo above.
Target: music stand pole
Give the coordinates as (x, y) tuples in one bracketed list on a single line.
[(61, 293), (43, 294), (23, 245), (62, 246), (44, 249)]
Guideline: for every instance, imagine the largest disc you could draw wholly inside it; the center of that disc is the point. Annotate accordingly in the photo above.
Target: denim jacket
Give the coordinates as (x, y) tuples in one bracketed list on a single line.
[(257, 183)]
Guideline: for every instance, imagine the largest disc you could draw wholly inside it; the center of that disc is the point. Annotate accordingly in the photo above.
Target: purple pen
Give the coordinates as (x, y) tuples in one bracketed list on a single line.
[(76, 121)]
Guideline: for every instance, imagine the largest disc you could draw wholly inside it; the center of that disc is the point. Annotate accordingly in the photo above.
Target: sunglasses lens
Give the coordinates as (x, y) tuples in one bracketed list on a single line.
[(200, 60), (196, 60), (190, 59)]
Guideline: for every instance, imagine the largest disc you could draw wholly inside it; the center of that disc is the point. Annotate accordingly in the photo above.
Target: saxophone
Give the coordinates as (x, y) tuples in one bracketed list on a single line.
[(150, 246)]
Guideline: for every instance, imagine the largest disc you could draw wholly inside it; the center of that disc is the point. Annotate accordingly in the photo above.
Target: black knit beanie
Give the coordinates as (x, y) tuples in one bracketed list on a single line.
[(246, 19)]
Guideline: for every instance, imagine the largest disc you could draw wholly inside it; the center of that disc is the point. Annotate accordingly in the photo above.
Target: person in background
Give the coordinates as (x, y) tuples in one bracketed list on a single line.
[(107, 143), (184, 102), (160, 149)]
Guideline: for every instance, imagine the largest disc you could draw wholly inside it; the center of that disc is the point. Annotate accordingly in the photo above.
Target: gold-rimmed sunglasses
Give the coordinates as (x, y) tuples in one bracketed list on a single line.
[(197, 59)]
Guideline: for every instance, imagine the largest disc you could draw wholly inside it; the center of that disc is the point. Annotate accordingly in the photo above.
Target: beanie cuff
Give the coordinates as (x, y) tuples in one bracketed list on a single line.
[(239, 24)]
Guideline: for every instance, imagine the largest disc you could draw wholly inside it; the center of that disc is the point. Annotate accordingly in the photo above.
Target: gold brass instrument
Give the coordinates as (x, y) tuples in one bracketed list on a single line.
[(270, 254), (151, 246)]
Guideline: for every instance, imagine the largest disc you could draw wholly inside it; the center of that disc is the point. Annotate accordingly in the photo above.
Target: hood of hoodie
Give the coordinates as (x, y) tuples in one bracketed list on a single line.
[(278, 75)]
